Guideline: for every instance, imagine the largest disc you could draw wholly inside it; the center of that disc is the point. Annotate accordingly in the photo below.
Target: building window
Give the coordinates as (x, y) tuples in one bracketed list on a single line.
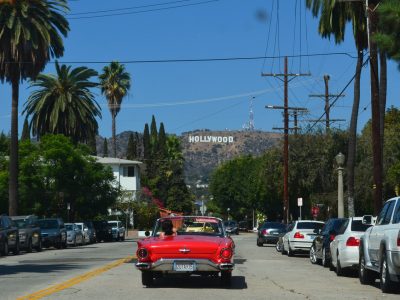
[(129, 171)]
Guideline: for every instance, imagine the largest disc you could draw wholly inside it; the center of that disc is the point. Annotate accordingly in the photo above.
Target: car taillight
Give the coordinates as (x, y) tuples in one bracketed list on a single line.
[(142, 253), (226, 253), (298, 235), (265, 232), (353, 242), (331, 237), (398, 240)]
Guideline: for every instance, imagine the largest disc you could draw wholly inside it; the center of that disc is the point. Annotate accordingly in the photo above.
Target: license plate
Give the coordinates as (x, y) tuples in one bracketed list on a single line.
[(311, 237), (186, 266)]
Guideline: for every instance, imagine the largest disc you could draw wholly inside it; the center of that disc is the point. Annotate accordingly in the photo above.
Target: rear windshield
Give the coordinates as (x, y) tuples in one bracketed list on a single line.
[(309, 225), (69, 227), (357, 225), (20, 223), (274, 225)]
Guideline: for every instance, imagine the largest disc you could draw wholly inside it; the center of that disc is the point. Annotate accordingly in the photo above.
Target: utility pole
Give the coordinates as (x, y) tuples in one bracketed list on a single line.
[(286, 81), (327, 98)]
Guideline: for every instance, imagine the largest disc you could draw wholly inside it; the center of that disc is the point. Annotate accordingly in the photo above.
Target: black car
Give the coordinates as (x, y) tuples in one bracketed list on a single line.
[(269, 232), (53, 233), (320, 251), (103, 231), (91, 231), (231, 227), (9, 238), (30, 236)]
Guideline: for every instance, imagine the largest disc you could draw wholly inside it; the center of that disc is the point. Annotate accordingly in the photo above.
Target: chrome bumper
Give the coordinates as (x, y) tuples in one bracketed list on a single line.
[(202, 265)]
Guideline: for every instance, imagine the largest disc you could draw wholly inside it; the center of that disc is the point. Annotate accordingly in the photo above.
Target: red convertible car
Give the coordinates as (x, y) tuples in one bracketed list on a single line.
[(197, 245)]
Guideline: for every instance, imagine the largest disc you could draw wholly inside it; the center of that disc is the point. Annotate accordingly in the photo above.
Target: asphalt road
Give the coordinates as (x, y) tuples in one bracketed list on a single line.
[(106, 271)]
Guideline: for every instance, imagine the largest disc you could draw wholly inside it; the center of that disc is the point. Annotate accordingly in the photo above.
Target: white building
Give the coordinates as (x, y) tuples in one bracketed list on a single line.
[(126, 173)]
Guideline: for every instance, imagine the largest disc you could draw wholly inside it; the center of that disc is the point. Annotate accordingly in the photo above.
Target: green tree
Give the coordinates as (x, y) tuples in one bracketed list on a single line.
[(131, 152), (64, 104), (162, 142), (92, 145), (115, 83), (25, 131), (153, 136), (31, 34)]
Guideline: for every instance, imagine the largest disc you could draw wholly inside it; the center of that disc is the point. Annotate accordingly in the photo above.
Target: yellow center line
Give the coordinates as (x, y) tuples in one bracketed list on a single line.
[(75, 280)]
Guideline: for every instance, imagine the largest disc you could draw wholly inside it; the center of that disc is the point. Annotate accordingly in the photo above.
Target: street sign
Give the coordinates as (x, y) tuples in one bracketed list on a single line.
[(299, 201)]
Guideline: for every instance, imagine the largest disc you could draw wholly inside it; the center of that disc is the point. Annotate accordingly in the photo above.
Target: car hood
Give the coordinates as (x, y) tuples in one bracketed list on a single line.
[(50, 231), (175, 244)]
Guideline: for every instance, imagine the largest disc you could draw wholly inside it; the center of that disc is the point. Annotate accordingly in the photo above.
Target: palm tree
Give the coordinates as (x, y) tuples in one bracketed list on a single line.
[(334, 16), (64, 104), (115, 83), (30, 35)]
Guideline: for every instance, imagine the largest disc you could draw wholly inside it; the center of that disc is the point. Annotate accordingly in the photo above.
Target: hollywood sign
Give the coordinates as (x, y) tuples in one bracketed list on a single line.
[(210, 139)]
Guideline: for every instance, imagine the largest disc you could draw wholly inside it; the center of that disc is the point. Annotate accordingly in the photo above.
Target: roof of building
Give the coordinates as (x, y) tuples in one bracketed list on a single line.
[(116, 161)]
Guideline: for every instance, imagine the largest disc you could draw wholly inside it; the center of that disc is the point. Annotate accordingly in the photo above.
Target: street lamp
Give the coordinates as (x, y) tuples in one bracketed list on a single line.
[(340, 162)]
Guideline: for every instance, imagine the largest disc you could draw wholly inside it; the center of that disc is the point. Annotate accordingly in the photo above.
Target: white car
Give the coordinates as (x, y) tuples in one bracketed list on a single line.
[(85, 233), (300, 236), (344, 248), (74, 235), (118, 231)]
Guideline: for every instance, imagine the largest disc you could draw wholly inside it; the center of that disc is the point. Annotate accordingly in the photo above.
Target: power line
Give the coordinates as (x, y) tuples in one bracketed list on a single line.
[(143, 11), (188, 60)]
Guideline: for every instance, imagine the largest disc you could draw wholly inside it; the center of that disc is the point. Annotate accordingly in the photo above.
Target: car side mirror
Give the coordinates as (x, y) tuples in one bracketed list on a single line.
[(367, 220), (147, 233)]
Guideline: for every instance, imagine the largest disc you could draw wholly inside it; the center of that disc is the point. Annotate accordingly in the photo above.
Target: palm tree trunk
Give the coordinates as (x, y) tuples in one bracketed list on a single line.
[(375, 108), (13, 181), (114, 142), (353, 136)]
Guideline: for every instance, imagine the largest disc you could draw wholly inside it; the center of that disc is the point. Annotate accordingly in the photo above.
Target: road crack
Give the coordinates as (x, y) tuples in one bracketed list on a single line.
[(293, 291)]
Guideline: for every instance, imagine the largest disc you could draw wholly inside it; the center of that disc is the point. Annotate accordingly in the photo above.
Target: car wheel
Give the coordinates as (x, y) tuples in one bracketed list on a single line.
[(325, 259), (366, 276), (5, 250), (74, 244), (278, 247), (147, 278), (283, 251), (16, 249), (290, 251), (39, 247), (313, 256), (29, 247), (259, 244), (123, 238), (387, 285), (226, 278), (339, 270)]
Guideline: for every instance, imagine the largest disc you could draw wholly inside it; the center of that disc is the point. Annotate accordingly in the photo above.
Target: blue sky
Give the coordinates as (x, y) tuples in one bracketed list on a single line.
[(212, 95)]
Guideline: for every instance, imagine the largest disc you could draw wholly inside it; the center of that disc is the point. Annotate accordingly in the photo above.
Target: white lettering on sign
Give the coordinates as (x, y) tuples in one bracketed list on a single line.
[(210, 139)]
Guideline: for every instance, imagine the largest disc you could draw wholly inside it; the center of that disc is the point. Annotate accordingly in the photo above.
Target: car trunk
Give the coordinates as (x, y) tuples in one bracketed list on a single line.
[(185, 244)]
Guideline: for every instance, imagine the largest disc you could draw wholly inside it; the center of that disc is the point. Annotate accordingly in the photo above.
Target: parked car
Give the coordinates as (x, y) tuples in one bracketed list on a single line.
[(300, 236), (380, 248), (183, 252), (103, 231), (118, 231), (231, 227), (245, 225), (85, 232), (74, 234), (30, 236), (9, 236), (91, 231), (320, 251), (344, 248), (53, 233), (279, 243), (268, 233)]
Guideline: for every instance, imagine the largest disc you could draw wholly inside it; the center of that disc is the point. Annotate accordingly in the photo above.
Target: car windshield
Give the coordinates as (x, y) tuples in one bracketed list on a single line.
[(48, 224), (357, 225), (20, 223), (79, 226), (309, 225), (273, 225), (230, 223), (192, 226), (113, 224), (69, 227)]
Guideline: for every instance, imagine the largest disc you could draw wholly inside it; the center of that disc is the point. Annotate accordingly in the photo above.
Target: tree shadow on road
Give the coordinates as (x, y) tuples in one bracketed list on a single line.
[(35, 268)]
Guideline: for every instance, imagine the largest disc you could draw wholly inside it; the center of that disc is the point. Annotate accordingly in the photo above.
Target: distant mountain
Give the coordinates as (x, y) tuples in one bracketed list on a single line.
[(204, 149)]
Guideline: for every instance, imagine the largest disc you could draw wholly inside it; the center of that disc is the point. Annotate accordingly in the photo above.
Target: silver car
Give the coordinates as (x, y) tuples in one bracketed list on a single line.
[(74, 234)]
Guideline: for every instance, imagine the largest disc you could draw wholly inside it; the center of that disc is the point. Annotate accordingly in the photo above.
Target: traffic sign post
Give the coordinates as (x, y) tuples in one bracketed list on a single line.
[(300, 204)]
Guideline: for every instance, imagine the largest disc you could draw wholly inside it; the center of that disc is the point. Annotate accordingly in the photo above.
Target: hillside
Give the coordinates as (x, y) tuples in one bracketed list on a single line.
[(204, 150)]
